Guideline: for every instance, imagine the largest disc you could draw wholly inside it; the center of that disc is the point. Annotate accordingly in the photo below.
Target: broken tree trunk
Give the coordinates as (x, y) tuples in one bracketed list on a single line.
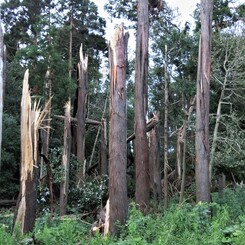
[(118, 209), (31, 119), (81, 112), (154, 160), (65, 159), (45, 129)]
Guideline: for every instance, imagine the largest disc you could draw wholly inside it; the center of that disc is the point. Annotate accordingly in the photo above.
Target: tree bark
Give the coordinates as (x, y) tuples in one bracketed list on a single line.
[(141, 97), (66, 159), (118, 209), (184, 141), (166, 101), (103, 168), (1, 86), (81, 112), (154, 159), (45, 130), (202, 104)]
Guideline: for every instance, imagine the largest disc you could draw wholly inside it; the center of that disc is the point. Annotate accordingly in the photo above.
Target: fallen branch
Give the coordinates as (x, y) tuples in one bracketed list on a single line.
[(149, 126), (74, 120)]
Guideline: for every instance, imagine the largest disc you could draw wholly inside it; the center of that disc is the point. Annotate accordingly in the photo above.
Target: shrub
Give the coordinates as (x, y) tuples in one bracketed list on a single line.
[(5, 238)]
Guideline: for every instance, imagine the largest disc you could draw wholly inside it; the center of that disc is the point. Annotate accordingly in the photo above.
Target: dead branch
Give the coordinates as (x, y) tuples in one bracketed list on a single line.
[(149, 126)]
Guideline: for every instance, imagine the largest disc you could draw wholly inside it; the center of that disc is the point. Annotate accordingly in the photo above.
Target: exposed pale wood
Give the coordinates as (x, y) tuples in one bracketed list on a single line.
[(31, 119)]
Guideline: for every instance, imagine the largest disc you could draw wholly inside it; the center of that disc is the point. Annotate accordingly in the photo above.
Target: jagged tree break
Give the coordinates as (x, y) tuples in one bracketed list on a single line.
[(31, 119)]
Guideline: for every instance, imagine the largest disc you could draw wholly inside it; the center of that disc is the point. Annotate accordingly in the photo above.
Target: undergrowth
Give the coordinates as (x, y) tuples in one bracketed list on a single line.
[(219, 223)]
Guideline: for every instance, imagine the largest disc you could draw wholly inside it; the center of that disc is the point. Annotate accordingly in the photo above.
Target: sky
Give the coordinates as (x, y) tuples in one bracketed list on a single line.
[(186, 8)]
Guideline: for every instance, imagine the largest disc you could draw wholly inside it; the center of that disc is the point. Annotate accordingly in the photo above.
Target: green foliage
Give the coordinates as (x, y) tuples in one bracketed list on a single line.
[(5, 237), (234, 199), (67, 232), (10, 157), (203, 223), (90, 195)]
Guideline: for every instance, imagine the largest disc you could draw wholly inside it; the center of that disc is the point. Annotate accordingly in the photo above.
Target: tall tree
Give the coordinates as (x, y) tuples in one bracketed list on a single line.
[(81, 111), (202, 104), (141, 97), (118, 207), (1, 86)]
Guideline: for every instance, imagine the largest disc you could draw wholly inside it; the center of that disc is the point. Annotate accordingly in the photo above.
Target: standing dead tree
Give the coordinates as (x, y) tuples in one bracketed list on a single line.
[(31, 118), (65, 159), (81, 112), (202, 104), (118, 207), (154, 159)]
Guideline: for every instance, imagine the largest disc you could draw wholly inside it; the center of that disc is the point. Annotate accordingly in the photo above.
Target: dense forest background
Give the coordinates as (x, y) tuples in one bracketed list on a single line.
[(45, 36)]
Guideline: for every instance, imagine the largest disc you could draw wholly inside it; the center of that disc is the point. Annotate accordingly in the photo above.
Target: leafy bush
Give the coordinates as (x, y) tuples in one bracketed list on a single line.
[(234, 199), (90, 195), (67, 232), (5, 237)]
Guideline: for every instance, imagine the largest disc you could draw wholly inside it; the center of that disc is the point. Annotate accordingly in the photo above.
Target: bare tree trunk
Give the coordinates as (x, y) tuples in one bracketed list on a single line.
[(1, 87), (70, 43), (30, 122), (154, 159), (103, 149), (218, 118), (141, 97), (118, 209), (45, 130), (66, 159), (81, 112), (184, 140), (202, 104), (166, 101)]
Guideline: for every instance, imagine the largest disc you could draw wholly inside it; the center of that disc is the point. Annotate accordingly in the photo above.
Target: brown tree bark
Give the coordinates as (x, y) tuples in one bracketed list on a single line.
[(45, 130), (103, 166), (183, 148), (81, 112), (154, 159), (141, 97), (66, 159), (1, 87), (166, 102), (202, 104), (118, 208)]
